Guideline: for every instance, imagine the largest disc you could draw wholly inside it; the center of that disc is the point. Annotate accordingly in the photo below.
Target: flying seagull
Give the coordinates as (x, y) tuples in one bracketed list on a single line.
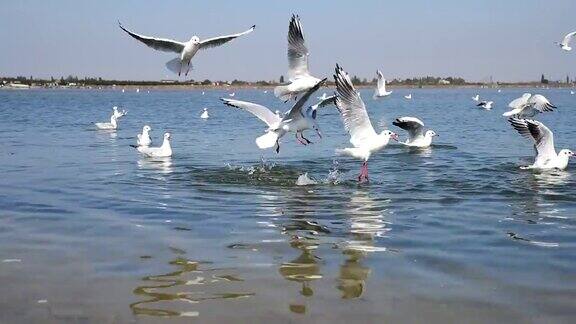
[(363, 137), (297, 119), (299, 78), (529, 105), (380, 91), (185, 50), (566, 41), (476, 98), (416, 135), (546, 157)]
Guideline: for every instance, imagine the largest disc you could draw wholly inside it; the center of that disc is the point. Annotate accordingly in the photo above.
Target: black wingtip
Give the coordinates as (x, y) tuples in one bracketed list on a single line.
[(134, 146), (253, 27)]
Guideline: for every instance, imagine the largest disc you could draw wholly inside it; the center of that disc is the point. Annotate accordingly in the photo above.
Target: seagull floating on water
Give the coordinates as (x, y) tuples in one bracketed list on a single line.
[(485, 104), (144, 138), (356, 121), (409, 96), (571, 92), (529, 105), (380, 91), (300, 80), (205, 114), (546, 157), (232, 94), (165, 150), (113, 124), (186, 50), (566, 41), (476, 98), (297, 119), (416, 135)]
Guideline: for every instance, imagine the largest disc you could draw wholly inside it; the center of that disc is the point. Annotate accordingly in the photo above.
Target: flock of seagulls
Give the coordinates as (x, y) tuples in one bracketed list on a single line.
[(301, 85)]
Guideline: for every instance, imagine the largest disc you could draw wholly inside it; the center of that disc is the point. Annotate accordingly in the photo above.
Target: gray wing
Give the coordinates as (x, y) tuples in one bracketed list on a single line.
[(542, 136), (261, 112), (297, 51), (352, 109), (331, 100), (540, 103), (568, 38), (160, 44), (220, 40), (413, 125), (296, 110)]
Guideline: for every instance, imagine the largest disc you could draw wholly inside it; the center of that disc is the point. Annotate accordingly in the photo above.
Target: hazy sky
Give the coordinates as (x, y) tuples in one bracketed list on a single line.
[(510, 40)]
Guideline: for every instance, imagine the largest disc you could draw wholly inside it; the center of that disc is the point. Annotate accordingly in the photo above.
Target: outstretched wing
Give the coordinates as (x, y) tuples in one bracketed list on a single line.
[(413, 125), (220, 40), (520, 102), (160, 44), (352, 109), (325, 101), (261, 112), (381, 81), (542, 136), (296, 110), (297, 51), (540, 103), (568, 38)]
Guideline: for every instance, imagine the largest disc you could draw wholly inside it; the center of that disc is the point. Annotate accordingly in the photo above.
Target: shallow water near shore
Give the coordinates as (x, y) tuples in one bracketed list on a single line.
[(91, 231)]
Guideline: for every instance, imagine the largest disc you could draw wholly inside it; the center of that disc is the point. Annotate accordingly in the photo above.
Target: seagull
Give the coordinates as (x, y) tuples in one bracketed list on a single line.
[(113, 124), (529, 105), (564, 44), (356, 121), (232, 94), (185, 50), (265, 91), (324, 101), (205, 114), (144, 138), (137, 90), (297, 119), (408, 96), (571, 92), (546, 157), (476, 98), (416, 135), (202, 92), (499, 90), (485, 104), (300, 79), (163, 151), (380, 91)]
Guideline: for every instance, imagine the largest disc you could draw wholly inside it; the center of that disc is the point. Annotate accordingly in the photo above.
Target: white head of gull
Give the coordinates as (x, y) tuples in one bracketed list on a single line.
[(144, 138)]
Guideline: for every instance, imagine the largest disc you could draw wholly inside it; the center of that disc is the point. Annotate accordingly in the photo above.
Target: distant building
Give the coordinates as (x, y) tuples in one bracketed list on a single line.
[(443, 82), (169, 81)]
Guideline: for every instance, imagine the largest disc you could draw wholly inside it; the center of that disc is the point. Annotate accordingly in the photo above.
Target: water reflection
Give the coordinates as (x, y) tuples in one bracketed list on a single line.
[(366, 223), (162, 165), (170, 294)]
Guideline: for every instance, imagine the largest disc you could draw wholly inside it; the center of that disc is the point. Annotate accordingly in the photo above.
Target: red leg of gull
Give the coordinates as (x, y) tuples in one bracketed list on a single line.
[(363, 177), (299, 139)]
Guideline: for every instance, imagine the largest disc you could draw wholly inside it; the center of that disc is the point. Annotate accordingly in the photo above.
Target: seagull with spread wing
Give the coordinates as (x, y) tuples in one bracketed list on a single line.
[(299, 78), (529, 105), (186, 50), (566, 41), (356, 121), (416, 135), (380, 91), (296, 120), (546, 157)]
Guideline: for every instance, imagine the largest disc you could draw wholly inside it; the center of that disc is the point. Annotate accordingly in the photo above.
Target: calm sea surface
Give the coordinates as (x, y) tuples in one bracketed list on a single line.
[(90, 231)]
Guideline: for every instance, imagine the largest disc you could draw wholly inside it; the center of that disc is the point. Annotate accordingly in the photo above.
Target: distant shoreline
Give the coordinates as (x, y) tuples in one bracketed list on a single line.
[(185, 87)]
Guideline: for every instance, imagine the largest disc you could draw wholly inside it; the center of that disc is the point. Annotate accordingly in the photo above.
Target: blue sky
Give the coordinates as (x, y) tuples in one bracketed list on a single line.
[(510, 40)]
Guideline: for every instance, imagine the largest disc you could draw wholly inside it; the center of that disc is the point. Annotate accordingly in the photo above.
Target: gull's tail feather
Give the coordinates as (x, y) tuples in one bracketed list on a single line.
[(174, 65), (267, 140), (282, 93)]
